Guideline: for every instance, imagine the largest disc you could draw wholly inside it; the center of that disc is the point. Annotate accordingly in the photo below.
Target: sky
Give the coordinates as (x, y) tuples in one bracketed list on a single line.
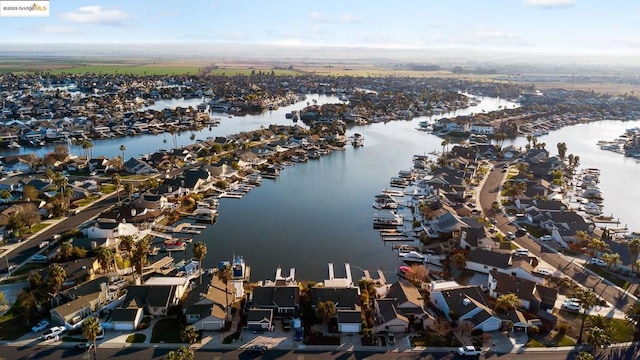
[(561, 27)]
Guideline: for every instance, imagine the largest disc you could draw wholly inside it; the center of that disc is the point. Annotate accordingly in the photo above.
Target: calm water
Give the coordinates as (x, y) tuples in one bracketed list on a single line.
[(321, 212)]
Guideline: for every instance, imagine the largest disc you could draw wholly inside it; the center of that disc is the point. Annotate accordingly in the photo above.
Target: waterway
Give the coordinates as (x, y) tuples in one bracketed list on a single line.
[(321, 211)]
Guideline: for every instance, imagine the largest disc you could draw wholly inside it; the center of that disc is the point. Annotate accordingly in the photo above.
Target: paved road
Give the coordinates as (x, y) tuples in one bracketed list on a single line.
[(50, 352), (27, 248), (489, 193)]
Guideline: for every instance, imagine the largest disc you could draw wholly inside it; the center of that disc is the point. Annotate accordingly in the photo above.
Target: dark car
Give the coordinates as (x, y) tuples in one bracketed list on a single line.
[(257, 349), (84, 347)]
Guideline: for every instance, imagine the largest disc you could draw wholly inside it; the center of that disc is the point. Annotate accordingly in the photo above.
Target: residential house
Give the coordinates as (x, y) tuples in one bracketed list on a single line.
[(138, 166), (388, 319), (481, 128), (284, 300), (342, 298), (473, 238), (532, 295), (259, 319), (81, 302), (483, 261), (349, 321), (205, 305), (464, 303), (109, 228), (563, 226), (153, 202), (153, 299)]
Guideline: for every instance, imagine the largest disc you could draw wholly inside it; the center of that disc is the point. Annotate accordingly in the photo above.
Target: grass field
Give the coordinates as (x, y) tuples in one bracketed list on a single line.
[(141, 70)]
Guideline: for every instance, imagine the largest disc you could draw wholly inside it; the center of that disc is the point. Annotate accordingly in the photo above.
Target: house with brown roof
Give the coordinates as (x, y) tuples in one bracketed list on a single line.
[(205, 305), (462, 303), (483, 261), (532, 295)]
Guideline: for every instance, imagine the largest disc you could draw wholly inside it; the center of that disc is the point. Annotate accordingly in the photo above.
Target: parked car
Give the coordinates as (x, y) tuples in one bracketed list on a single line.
[(469, 351), (257, 349), (598, 262), (41, 325), (391, 339), (511, 235), (571, 305), (544, 272), (52, 332), (521, 252), (493, 221), (546, 238), (43, 244), (298, 335), (38, 258), (84, 347)]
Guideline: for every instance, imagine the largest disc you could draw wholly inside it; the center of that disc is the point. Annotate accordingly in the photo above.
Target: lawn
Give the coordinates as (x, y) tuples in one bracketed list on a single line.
[(86, 201), (607, 275), (560, 340), (108, 188), (136, 338), (13, 323), (622, 329), (166, 331), (432, 339)]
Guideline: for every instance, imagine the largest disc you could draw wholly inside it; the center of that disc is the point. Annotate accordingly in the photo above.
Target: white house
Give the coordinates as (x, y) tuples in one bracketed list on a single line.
[(480, 128), (109, 228), (483, 261)]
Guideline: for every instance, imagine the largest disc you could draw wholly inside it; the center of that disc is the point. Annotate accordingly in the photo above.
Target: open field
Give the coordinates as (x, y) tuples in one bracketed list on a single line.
[(232, 67)]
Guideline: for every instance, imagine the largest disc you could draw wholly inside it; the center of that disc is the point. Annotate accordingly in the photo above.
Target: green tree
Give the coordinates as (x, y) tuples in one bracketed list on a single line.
[(55, 277), (105, 257), (598, 246), (139, 256), (445, 144), (189, 334), (66, 251), (123, 149), (129, 189), (6, 194), (90, 330), (587, 298), (507, 302), (326, 310), (87, 145), (458, 260), (562, 150), (224, 274), (634, 251), (583, 355), (612, 260), (598, 338), (633, 314), (601, 322), (127, 244), (29, 192), (199, 252), (117, 180), (182, 353)]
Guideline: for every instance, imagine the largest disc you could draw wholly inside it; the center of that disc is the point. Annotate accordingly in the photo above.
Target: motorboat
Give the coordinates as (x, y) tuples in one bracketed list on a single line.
[(412, 256), (385, 201), (387, 219)]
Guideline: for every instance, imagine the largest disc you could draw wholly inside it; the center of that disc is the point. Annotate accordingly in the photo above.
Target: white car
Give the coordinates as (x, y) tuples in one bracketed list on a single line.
[(546, 238), (511, 235), (571, 305), (41, 325), (544, 272), (598, 262), (52, 332), (469, 351)]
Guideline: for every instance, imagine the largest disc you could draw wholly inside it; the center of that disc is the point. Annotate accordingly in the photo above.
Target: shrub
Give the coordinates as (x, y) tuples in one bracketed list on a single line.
[(476, 332), (533, 330), (562, 328)]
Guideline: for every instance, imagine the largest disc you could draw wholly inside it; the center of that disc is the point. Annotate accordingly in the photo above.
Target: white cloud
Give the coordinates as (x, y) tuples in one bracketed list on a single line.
[(97, 15), (315, 16), (348, 18), (54, 29), (314, 29), (550, 3)]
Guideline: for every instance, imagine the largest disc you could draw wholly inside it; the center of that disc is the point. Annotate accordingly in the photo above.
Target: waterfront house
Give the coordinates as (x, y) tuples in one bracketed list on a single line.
[(284, 300), (153, 299), (110, 228), (388, 319), (563, 226), (138, 166), (342, 298), (483, 261), (17, 164), (81, 301), (205, 305), (259, 319), (126, 319), (153, 202), (481, 128), (472, 238), (99, 165), (532, 295), (463, 303)]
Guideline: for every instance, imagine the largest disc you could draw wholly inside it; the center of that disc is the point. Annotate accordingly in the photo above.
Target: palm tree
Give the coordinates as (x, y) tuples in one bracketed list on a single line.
[(326, 310), (583, 355), (507, 302), (562, 150), (612, 260), (199, 252), (105, 257), (598, 246), (587, 298), (66, 250), (598, 338), (445, 144), (127, 244), (633, 314), (90, 330), (189, 334), (182, 353), (87, 145), (123, 149), (224, 274), (55, 277), (458, 260), (601, 322), (139, 255), (117, 180), (129, 189), (634, 251)]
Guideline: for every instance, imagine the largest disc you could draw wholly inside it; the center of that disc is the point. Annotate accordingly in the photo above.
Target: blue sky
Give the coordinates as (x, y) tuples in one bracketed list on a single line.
[(538, 26)]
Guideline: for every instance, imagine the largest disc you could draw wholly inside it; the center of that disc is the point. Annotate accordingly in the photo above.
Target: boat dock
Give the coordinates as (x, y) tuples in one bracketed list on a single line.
[(394, 235), (162, 266), (381, 280), (185, 228)]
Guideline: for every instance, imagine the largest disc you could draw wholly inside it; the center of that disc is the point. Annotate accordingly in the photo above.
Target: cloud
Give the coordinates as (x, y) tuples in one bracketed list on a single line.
[(54, 29), (348, 18), (315, 16), (549, 4), (97, 15)]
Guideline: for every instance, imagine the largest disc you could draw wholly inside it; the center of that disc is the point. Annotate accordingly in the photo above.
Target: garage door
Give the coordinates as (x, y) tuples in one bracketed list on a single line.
[(123, 326), (349, 328), (491, 325), (212, 325)]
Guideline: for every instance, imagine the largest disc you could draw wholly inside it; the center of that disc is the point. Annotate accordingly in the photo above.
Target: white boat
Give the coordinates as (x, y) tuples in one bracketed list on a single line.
[(385, 201), (357, 140), (412, 256), (387, 219), (175, 246), (393, 192), (399, 182), (14, 145)]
